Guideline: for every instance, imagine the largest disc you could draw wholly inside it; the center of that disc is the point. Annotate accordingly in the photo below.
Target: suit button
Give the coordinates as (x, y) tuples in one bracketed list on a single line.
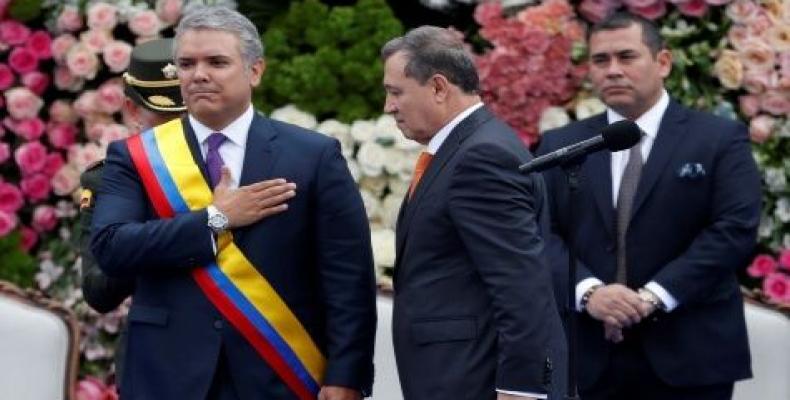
[(218, 324)]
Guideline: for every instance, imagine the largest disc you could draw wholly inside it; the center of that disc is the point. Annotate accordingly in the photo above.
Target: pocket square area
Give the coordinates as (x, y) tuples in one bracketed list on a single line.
[(691, 171)]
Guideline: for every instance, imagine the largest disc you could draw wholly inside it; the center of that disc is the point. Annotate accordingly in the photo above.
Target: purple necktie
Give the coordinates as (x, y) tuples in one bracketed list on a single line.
[(213, 159)]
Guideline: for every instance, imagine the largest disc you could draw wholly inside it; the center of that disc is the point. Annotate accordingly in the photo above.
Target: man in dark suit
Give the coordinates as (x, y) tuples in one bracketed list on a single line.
[(474, 315), (227, 304), (661, 230), (153, 98)]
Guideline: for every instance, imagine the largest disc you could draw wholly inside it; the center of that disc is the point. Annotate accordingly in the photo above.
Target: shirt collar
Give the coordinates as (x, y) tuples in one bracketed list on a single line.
[(648, 122), (439, 137), (236, 131)]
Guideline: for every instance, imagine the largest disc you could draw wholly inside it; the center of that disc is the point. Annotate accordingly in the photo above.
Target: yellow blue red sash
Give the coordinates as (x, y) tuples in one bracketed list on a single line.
[(175, 185)]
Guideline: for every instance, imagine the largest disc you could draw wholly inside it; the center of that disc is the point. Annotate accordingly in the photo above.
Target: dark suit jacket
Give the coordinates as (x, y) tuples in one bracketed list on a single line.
[(689, 232), (316, 255), (473, 306)]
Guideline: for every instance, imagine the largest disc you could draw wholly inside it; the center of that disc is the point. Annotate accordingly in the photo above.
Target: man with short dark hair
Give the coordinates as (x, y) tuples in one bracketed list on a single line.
[(247, 239), (660, 231), (474, 316)]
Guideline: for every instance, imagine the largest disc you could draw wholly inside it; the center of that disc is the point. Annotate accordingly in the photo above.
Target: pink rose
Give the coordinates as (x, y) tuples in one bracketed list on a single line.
[(62, 135), (717, 2), (693, 8), (102, 16), (30, 129), (651, 12), (758, 55), (758, 82), (11, 198), (95, 131), (750, 105), (8, 222), (82, 61), (65, 80), (738, 36), (13, 32), (784, 259), (61, 46), (169, 11), (90, 388), (81, 156), (29, 238), (145, 23), (95, 40), (116, 55), (777, 287), (35, 187), (3, 8), (5, 152), (61, 111), (6, 77), (639, 3), (113, 132), (741, 11), (22, 60), (69, 19), (22, 103), (761, 128), (31, 157), (776, 102), (65, 181), (110, 97), (597, 10), (44, 218), (761, 266), (36, 81), (40, 44), (86, 104), (54, 163)]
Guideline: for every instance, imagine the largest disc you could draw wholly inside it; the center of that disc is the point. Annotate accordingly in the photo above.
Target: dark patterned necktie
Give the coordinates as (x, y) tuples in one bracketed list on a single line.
[(625, 201), (213, 159)]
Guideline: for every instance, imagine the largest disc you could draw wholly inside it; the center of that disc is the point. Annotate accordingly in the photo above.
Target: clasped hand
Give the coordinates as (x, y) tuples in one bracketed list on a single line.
[(618, 307)]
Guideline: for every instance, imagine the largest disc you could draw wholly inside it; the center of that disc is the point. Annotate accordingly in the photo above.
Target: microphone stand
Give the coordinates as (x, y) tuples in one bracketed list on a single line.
[(571, 170)]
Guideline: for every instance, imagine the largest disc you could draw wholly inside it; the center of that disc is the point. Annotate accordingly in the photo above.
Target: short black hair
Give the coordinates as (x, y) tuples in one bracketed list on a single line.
[(651, 35)]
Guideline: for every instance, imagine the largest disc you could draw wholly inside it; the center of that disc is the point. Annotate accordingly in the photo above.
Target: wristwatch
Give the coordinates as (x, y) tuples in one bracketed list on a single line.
[(652, 298), (217, 221)]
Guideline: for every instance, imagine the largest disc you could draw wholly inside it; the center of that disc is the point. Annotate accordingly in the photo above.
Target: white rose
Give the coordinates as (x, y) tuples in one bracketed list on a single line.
[(386, 130), (363, 131), (398, 186), (339, 131), (390, 207), (374, 184), (553, 117), (353, 168), (588, 107), (401, 142), (775, 179), (407, 163), (766, 228), (371, 158), (383, 244), (392, 160), (782, 211), (372, 205), (292, 115)]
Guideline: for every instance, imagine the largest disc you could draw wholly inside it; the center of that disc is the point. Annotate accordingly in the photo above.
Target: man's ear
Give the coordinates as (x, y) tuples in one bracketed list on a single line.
[(256, 72), (441, 87)]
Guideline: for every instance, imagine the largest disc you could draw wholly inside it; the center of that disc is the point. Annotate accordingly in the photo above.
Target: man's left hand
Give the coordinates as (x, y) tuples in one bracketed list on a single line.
[(338, 393)]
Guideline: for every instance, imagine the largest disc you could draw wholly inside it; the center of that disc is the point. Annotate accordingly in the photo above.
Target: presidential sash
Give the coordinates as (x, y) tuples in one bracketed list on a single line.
[(175, 185)]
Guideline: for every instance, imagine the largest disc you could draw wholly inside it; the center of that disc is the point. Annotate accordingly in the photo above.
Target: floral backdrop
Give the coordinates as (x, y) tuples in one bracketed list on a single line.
[(61, 101)]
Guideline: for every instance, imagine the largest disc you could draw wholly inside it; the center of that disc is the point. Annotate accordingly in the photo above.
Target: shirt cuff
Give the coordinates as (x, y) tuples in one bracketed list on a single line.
[(523, 394), (582, 287), (213, 242), (670, 303)]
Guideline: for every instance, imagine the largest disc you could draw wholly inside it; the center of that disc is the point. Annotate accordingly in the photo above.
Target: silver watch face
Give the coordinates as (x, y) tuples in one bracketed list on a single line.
[(218, 222)]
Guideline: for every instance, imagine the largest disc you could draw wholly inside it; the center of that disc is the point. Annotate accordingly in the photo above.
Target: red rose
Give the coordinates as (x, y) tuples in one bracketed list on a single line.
[(40, 44), (22, 60), (36, 81), (35, 187)]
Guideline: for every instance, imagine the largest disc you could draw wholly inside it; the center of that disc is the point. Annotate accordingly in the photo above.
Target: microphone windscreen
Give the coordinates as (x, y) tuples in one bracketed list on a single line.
[(621, 135)]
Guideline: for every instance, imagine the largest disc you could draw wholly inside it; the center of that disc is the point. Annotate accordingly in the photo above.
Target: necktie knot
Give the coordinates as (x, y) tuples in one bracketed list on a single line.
[(422, 164), (215, 140)]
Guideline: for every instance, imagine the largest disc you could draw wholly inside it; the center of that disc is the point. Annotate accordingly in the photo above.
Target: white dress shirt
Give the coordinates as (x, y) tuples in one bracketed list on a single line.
[(433, 146), (649, 123), (231, 150)]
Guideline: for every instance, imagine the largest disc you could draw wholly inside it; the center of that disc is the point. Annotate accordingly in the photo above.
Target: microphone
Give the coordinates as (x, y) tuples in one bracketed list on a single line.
[(618, 136)]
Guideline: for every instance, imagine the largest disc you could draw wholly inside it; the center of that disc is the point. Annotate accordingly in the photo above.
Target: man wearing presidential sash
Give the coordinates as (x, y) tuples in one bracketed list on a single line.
[(246, 237)]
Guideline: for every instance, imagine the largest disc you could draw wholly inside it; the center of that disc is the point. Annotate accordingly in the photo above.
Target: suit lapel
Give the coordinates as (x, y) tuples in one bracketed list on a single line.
[(463, 130), (670, 132), (259, 152), (599, 175)]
